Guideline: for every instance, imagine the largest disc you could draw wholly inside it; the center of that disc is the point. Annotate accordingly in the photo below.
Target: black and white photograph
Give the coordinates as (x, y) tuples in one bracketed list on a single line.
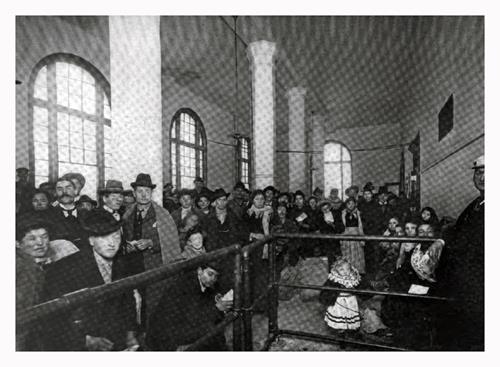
[(249, 183)]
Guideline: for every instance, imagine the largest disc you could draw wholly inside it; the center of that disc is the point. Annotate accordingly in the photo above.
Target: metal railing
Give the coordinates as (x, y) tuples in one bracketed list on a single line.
[(244, 302), (86, 295)]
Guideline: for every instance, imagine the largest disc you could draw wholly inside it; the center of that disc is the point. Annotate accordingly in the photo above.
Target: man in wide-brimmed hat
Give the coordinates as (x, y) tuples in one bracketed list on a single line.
[(151, 235), (109, 324), (112, 198)]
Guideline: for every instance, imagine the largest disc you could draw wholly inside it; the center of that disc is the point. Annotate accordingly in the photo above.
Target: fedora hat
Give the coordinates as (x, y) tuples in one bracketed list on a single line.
[(99, 223), (219, 193), (86, 199), (143, 179), (112, 186)]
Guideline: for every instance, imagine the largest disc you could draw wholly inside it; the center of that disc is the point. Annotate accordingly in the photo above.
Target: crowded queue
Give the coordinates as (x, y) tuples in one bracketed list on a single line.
[(66, 241)]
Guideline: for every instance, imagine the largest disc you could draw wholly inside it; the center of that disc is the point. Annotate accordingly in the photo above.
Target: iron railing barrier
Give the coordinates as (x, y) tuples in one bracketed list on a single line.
[(243, 304)]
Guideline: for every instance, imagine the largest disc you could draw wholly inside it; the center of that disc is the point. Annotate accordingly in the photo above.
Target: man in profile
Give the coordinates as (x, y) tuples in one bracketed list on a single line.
[(189, 308)]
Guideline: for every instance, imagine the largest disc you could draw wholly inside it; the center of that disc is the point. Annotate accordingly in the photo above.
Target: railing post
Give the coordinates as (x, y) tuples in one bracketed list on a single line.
[(273, 292), (238, 323), (247, 303)]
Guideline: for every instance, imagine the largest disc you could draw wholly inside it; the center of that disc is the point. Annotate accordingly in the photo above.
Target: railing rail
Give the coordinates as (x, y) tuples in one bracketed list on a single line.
[(242, 313), (87, 295)]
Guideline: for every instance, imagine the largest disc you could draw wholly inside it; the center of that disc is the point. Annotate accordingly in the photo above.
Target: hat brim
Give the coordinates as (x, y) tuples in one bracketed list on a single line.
[(220, 196), (134, 185), (110, 191), (477, 167)]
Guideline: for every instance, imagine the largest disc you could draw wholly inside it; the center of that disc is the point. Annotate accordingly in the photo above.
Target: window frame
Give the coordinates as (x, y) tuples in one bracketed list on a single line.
[(199, 133), (102, 90), (341, 162), (240, 160)]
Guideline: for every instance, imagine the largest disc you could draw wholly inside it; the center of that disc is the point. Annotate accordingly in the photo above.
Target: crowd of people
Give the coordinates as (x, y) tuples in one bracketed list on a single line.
[(66, 241)]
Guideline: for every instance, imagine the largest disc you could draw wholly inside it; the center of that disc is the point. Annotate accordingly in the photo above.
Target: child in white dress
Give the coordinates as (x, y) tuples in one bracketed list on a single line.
[(343, 311)]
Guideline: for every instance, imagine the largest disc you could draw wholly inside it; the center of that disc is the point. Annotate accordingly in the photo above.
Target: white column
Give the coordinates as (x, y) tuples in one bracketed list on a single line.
[(135, 63), (261, 55), (318, 140), (297, 178)]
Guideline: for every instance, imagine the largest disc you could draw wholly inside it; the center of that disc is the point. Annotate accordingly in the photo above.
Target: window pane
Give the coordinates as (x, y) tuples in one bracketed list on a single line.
[(346, 156), (332, 177), (41, 133), (89, 106), (346, 170), (62, 92), (75, 123), (41, 167), (107, 112), (107, 146), (332, 152), (76, 155), (76, 140), (75, 87), (89, 142), (87, 78), (40, 116), (62, 69), (89, 127), (75, 101), (107, 132), (41, 89), (41, 151), (89, 91), (172, 131), (63, 153), (62, 121), (90, 157), (75, 72), (62, 137)]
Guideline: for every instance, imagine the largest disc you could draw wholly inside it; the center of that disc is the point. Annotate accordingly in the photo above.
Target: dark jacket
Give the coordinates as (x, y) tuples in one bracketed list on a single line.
[(372, 217), (67, 228), (183, 315), (109, 317), (30, 279), (324, 227)]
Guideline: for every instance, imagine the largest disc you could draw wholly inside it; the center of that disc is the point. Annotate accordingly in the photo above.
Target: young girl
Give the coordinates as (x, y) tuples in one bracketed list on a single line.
[(353, 250), (194, 243), (343, 312)]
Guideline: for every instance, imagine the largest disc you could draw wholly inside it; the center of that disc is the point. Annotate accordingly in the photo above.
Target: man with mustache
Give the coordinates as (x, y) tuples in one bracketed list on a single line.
[(65, 216)]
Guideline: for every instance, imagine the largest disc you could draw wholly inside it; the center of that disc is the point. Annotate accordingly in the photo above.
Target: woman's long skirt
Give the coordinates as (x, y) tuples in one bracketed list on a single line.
[(353, 250)]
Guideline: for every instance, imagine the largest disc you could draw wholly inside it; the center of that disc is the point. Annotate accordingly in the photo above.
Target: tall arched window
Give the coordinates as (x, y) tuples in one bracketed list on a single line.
[(243, 160), (338, 173), (188, 149), (71, 121)]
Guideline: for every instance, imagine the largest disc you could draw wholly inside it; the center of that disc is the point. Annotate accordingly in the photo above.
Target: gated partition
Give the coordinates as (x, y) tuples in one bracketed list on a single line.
[(244, 301)]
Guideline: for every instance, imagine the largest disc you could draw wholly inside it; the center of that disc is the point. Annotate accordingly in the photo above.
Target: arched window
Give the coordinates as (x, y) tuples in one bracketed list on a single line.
[(243, 160), (338, 173), (188, 149), (70, 121)]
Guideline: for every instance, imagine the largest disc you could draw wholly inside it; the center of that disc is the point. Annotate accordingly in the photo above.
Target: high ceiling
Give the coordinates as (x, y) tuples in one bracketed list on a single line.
[(355, 69)]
